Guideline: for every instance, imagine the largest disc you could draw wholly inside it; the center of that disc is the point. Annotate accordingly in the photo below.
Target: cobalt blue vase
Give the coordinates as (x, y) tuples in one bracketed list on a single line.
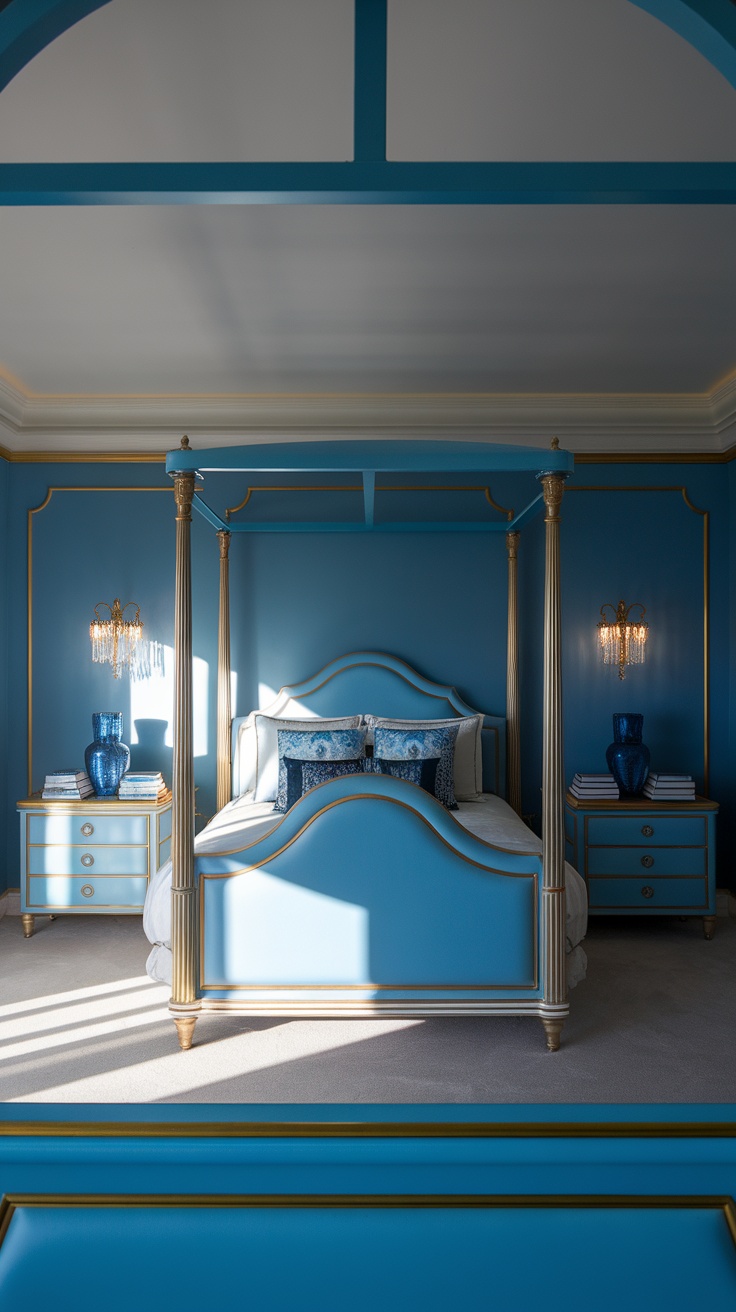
[(627, 756), (106, 758)]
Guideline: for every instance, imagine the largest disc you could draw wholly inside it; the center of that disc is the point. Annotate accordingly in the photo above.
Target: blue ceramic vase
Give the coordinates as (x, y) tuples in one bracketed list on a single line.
[(106, 758), (627, 756)]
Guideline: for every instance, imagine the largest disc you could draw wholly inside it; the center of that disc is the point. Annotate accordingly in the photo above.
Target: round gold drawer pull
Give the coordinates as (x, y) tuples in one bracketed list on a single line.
[(647, 831), (87, 890), (88, 859), (647, 891), (647, 862), (87, 829)]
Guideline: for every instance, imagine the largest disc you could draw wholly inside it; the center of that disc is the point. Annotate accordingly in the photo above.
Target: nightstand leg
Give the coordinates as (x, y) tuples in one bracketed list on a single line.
[(709, 924), (185, 1030), (28, 922), (553, 1029)]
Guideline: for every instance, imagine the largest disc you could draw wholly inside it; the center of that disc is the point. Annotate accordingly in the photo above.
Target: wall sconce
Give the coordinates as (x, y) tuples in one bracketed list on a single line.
[(117, 641), (623, 641)]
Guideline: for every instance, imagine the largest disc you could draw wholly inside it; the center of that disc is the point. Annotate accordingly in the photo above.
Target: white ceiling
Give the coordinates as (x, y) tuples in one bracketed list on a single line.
[(610, 325)]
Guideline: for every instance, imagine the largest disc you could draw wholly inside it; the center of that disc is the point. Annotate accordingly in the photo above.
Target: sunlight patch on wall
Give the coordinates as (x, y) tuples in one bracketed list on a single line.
[(152, 699)]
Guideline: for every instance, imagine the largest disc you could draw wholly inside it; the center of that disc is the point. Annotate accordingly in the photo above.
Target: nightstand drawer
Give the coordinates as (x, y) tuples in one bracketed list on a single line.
[(654, 831), (60, 892), (648, 894), (72, 829), (646, 862), (56, 859)]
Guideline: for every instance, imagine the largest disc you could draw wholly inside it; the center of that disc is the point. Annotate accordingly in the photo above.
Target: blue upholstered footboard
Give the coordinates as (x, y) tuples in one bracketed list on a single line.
[(368, 896)]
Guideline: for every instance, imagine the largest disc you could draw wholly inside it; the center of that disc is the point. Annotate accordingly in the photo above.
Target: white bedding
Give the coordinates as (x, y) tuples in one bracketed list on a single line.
[(245, 821)]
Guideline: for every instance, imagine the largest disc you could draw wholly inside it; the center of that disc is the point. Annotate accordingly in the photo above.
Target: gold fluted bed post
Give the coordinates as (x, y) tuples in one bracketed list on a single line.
[(513, 728), (184, 1004), (553, 815), (224, 783)]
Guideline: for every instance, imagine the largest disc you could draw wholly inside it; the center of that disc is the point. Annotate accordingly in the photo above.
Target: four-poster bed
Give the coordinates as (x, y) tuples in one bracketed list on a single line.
[(367, 897)]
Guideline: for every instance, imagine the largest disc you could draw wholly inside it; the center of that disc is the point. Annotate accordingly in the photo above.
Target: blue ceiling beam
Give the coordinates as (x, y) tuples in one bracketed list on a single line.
[(707, 25), (369, 183), (369, 97), (381, 455), (28, 26)]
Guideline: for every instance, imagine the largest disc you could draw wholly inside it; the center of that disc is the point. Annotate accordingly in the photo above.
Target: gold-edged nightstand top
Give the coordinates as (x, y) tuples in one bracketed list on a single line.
[(39, 803), (638, 804)]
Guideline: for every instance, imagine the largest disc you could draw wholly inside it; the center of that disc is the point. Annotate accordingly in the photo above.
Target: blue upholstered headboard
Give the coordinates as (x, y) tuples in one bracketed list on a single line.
[(373, 683)]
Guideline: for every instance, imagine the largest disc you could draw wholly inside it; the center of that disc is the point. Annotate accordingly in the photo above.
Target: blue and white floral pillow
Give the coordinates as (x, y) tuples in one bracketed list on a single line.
[(303, 745), (419, 745)]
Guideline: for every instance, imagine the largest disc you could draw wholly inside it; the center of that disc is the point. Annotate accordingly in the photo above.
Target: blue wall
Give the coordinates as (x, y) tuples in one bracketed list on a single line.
[(437, 601)]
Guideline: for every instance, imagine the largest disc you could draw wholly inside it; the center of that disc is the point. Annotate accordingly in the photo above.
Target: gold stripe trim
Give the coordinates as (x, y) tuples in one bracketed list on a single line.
[(81, 458), (368, 1130), (655, 458), (344, 988), (641, 1202)]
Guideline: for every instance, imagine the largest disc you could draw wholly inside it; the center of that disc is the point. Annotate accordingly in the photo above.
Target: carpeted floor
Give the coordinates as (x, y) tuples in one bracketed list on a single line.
[(653, 1022)]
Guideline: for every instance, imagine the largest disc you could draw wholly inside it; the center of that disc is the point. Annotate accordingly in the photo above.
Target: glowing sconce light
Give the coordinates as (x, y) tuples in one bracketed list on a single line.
[(119, 642), (622, 640)]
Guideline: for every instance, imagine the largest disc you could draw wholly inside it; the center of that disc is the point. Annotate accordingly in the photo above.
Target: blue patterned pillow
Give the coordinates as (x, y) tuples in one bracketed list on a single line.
[(315, 745), (422, 772), (303, 775), (419, 745)]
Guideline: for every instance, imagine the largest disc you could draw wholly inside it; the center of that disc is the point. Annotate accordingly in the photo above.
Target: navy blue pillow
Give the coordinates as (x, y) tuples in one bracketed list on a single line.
[(303, 775), (422, 772)]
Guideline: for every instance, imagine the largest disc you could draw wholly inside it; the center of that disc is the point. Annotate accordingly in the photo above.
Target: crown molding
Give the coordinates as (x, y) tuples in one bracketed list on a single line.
[(639, 426)]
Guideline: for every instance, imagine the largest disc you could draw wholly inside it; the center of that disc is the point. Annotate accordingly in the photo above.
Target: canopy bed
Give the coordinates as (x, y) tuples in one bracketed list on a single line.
[(367, 889)]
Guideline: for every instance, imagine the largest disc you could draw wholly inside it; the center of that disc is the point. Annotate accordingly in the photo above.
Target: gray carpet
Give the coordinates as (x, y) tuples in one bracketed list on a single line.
[(653, 1022)]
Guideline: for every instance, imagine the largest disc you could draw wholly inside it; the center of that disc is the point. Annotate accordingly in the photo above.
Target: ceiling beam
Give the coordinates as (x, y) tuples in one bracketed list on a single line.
[(28, 26), (707, 25), (369, 93), (369, 183)]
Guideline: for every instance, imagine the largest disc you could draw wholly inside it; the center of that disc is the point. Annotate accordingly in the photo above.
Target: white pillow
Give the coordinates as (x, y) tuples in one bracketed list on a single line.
[(265, 729), (468, 769)]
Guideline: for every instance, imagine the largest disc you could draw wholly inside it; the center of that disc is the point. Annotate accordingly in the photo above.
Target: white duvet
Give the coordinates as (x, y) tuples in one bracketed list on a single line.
[(244, 821)]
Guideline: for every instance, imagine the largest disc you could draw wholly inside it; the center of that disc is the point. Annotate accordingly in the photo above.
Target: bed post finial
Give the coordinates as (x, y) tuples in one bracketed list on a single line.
[(184, 444), (555, 443)]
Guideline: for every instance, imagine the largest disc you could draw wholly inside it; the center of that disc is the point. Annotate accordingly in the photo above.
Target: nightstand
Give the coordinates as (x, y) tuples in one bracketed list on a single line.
[(89, 858), (640, 857)]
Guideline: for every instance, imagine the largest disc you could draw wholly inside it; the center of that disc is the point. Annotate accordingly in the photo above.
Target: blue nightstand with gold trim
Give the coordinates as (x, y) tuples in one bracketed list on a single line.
[(93, 857), (640, 857)]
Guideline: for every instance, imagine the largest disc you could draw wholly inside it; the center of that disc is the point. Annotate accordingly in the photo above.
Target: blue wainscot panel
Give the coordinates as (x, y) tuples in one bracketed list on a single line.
[(331, 1207)]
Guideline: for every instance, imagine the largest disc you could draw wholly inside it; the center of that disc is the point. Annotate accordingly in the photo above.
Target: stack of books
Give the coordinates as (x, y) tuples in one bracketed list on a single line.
[(72, 785), (670, 788), (593, 787), (144, 786)]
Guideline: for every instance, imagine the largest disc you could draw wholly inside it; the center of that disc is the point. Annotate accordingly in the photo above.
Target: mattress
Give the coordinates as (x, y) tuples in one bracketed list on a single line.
[(244, 821)]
